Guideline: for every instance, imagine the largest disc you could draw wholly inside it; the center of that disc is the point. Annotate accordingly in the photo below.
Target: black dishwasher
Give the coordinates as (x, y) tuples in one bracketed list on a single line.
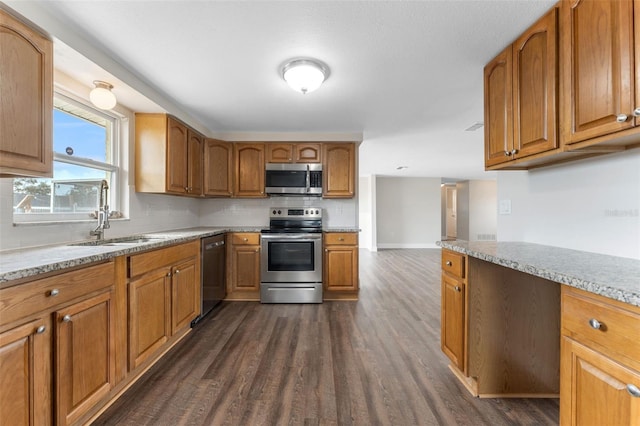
[(213, 288)]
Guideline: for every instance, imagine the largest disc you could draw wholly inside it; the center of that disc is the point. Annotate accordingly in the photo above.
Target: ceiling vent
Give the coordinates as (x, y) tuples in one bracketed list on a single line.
[(475, 126)]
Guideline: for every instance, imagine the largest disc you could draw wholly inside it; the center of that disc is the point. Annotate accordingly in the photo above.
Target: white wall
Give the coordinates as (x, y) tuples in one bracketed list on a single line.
[(255, 212), (591, 205), (483, 220), (407, 212), (366, 199)]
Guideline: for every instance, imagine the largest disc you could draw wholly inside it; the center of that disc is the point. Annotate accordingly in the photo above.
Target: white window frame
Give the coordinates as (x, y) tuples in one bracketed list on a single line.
[(115, 166)]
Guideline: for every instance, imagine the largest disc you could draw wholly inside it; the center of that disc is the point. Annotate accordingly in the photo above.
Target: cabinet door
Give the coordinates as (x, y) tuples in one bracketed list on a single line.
[(338, 173), (307, 153), (149, 315), (498, 109), (535, 83), (26, 120), (84, 353), (249, 176), (636, 12), (185, 295), (593, 388), (177, 159), (218, 168), (341, 268), (453, 320), (25, 374), (195, 152), (279, 152), (245, 264), (597, 77)]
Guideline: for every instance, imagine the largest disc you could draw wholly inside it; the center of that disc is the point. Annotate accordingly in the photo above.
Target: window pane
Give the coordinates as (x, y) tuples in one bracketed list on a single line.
[(73, 190), (77, 137)]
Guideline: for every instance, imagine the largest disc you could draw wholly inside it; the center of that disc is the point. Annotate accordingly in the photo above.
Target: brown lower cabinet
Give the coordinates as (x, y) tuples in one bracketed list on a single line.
[(600, 369), (243, 266), (164, 297), (340, 278), (454, 308), (78, 305)]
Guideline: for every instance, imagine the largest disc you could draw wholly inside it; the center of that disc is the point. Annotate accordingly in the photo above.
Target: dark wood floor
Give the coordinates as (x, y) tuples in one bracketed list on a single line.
[(372, 362)]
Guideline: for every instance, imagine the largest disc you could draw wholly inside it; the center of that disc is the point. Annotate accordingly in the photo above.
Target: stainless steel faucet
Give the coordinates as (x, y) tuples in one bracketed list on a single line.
[(103, 211)]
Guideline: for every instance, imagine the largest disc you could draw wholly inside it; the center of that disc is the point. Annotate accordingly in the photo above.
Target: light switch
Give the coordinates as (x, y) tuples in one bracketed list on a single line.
[(504, 207)]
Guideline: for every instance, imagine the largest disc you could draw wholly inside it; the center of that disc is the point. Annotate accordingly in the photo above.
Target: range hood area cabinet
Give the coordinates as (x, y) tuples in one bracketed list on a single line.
[(545, 105), (26, 122), (168, 156)]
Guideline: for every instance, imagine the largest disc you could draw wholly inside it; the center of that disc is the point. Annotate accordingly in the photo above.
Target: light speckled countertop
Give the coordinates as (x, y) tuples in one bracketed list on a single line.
[(24, 263), (17, 265), (614, 277)]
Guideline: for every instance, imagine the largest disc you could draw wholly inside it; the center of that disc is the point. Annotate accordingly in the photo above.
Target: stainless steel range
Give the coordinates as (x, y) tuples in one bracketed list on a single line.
[(291, 264)]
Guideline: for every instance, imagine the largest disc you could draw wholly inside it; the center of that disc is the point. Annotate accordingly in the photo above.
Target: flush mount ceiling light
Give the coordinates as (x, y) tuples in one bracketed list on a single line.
[(305, 75), (101, 96)]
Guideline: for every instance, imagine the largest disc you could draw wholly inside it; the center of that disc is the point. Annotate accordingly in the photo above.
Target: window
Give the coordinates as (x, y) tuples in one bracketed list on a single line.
[(84, 146)]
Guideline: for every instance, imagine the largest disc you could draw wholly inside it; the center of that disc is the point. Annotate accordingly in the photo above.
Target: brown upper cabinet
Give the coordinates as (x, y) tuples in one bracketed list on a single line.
[(293, 153), (168, 156), (218, 168), (600, 76), (521, 96), (26, 119), (249, 170), (338, 170)]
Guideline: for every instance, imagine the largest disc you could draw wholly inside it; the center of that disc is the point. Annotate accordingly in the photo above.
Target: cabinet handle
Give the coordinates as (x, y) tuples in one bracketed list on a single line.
[(42, 328), (456, 288), (595, 324), (66, 318), (636, 112), (54, 292), (448, 263), (633, 390), (621, 118)]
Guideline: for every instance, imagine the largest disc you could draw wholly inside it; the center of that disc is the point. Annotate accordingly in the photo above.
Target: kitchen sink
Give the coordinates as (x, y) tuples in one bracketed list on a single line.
[(123, 241)]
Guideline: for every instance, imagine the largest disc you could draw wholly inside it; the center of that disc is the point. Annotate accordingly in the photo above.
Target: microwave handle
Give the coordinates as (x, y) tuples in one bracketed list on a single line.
[(308, 179)]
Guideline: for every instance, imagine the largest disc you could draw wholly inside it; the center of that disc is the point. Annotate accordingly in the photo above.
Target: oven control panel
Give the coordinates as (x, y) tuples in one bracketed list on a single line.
[(296, 212)]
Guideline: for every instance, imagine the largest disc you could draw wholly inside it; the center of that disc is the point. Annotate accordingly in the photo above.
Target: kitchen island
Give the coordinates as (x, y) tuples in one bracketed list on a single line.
[(528, 320)]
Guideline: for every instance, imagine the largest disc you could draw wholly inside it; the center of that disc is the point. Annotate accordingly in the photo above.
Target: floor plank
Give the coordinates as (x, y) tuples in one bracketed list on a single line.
[(372, 362)]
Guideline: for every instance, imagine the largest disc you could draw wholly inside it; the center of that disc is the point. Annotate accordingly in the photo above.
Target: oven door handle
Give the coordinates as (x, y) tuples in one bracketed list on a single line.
[(308, 179), (288, 237)]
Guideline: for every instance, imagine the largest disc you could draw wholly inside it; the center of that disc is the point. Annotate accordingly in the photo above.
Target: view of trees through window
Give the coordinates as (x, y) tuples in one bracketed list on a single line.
[(83, 157)]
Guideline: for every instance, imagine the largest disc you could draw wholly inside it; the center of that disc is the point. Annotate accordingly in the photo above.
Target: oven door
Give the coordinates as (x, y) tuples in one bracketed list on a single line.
[(291, 258)]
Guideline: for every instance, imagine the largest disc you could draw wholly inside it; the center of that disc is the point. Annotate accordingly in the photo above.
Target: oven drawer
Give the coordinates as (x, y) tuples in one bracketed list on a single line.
[(245, 238)]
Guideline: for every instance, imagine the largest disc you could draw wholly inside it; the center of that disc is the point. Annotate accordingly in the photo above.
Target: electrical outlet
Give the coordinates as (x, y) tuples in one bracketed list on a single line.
[(504, 207)]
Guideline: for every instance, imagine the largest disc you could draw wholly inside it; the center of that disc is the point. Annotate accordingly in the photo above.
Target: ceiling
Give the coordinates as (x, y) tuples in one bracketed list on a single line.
[(406, 76)]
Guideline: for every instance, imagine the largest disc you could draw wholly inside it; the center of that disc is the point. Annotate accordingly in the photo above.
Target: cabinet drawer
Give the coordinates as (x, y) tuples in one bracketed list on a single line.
[(341, 238), (245, 238), (47, 293), (618, 328), (151, 260), (453, 263)]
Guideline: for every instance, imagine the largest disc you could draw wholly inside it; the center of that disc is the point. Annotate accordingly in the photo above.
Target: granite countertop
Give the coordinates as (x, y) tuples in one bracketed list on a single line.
[(614, 277), (19, 264), (340, 229)]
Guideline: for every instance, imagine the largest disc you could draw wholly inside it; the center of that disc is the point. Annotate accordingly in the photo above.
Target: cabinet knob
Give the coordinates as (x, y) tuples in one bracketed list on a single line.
[(514, 151), (54, 292), (42, 329), (340, 239), (257, 250), (168, 274), (66, 318), (456, 288), (633, 390), (177, 271), (621, 118), (448, 263), (595, 324), (636, 112), (507, 153), (245, 239)]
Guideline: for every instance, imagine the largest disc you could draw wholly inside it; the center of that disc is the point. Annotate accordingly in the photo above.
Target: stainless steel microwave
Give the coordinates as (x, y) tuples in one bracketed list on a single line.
[(293, 179)]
